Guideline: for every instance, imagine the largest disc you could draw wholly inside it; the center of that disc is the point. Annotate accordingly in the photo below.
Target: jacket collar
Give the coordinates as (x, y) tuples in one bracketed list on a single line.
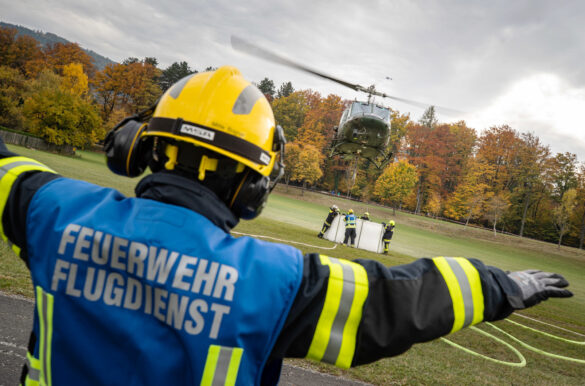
[(176, 190)]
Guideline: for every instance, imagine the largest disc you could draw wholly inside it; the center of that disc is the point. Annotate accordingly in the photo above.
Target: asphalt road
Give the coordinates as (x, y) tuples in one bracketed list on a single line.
[(16, 315)]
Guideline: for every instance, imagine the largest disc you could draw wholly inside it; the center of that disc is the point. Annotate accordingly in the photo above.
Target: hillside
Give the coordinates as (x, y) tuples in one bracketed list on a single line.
[(47, 38)]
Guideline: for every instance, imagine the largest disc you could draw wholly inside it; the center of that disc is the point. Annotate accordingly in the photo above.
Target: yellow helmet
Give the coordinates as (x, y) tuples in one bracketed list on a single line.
[(392, 222), (350, 211), (223, 112)]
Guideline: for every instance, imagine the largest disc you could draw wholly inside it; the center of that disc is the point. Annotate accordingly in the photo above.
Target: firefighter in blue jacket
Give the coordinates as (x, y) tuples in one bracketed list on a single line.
[(333, 212), (153, 289), (350, 222), (388, 233)]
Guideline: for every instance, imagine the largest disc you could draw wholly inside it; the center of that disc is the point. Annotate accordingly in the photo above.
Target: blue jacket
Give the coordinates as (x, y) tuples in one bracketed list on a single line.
[(99, 259)]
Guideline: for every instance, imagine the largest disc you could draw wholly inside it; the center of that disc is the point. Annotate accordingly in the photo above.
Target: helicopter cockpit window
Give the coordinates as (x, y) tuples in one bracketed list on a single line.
[(358, 108), (382, 112)]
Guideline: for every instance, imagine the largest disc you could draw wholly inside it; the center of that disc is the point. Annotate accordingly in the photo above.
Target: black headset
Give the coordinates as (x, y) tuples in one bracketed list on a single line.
[(251, 195), (127, 153)]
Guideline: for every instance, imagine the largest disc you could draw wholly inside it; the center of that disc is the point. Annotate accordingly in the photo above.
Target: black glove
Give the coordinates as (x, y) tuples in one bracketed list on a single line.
[(536, 286)]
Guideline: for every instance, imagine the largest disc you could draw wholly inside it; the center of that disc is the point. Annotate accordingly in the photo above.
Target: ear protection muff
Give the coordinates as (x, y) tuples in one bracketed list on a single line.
[(127, 152), (250, 196), (252, 193)]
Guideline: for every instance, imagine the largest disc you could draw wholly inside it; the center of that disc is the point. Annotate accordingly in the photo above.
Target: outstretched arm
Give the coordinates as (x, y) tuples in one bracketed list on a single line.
[(351, 313)]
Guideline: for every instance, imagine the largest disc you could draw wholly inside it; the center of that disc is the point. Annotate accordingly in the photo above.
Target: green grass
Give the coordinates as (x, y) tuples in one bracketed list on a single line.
[(297, 218)]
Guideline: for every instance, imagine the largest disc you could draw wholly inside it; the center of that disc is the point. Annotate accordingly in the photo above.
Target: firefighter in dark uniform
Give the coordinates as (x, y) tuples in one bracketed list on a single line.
[(333, 212), (154, 290), (365, 216), (388, 233), (350, 222)]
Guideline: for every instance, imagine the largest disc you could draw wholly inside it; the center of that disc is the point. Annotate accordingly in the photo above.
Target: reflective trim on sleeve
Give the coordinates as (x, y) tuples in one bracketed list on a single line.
[(221, 366), (464, 284), (336, 332), (10, 169), (45, 311)]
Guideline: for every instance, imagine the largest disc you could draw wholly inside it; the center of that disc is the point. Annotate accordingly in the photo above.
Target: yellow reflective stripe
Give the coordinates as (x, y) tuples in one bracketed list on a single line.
[(476, 289), (10, 169), (454, 291), (221, 366), (464, 285), (34, 370), (45, 311), (16, 249), (335, 334)]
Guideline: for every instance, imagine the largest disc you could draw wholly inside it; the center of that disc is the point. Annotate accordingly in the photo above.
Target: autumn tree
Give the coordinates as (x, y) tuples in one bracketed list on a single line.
[(460, 144), (496, 205), (580, 204), (322, 116), (291, 160), (12, 91), (395, 183), (532, 159), (59, 55), (124, 89), (55, 112), (562, 213), (428, 150), (19, 52), (467, 201), (563, 168), (289, 112), (499, 147), (307, 169), (174, 73)]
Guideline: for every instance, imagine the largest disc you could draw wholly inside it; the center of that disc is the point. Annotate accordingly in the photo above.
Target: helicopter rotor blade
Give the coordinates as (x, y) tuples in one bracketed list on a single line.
[(252, 49), (439, 109)]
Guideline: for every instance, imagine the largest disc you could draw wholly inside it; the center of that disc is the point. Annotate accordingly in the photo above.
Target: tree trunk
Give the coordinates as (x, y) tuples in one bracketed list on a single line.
[(524, 212), (468, 217), (582, 233), (418, 199), (495, 231)]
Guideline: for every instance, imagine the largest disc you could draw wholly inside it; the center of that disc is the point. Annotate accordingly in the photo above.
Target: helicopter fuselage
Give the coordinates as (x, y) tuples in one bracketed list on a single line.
[(363, 131)]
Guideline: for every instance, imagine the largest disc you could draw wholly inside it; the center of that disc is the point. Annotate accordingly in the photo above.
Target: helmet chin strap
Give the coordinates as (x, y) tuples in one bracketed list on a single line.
[(239, 188)]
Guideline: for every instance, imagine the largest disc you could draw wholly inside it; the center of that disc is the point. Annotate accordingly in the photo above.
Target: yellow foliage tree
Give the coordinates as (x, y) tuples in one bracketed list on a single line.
[(396, 182), (75, 80), (59, 116)]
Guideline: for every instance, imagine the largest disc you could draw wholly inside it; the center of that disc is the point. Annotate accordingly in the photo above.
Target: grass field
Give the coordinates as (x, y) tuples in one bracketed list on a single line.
[(297, 218)]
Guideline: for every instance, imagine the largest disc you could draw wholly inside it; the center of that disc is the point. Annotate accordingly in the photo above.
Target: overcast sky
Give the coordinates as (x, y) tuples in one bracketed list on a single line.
[(518, 62)]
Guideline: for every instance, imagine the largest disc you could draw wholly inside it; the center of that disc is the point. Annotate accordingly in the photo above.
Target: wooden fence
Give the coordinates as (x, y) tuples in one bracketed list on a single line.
[(35, 143)]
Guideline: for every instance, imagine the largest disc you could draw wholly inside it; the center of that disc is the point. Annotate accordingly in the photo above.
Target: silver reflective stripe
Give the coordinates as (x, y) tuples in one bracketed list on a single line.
[(347, 294), (6, 168), (246, 100), (178, 87), (465, 289), (223, 364), (33, 373)]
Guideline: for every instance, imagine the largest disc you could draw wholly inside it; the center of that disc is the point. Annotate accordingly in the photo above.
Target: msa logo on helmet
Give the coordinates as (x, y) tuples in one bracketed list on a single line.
[(197, 132), (264, 158)]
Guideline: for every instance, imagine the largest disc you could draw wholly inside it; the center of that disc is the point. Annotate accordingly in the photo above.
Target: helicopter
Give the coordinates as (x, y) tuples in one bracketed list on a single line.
[(364, 128)]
